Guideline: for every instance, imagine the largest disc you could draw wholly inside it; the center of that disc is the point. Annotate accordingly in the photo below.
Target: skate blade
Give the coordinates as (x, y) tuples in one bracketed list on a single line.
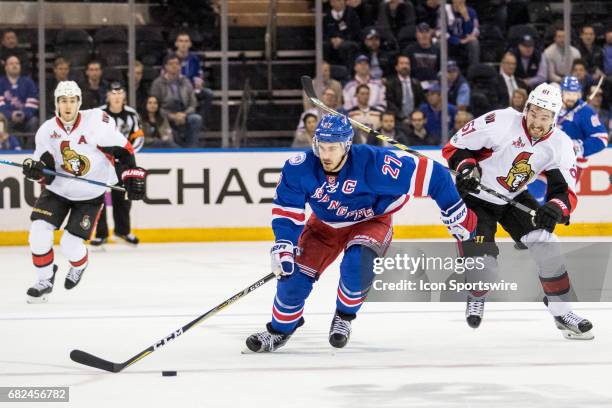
[(36, 300), (570, 335), (97, 248)]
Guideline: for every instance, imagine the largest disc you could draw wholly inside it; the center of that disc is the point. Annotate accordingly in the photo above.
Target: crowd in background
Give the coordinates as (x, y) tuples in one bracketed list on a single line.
[(391, 49), (382, 68), (171, 107)]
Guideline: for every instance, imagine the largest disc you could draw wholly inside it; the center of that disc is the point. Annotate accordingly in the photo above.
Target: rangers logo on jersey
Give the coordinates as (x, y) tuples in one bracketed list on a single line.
[(74, 163), (519, 175)]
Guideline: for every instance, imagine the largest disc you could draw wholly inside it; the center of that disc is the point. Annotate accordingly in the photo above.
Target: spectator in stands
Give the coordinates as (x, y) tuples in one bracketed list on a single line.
[(178, 101), (362, 76), (18, 98), (461, 119), (404, 93), (95, 88), (579, 70), (506, 80), (61, 72), (341, 29), (329, 99), (157, 130), (142, 91), (427, 11), (320, 86), (458, 87), (463, 31), (366, 10), (417, 134), (558, 63), (303, 137), (388, 128), (191, 67), (531, 66), (7, 141), (607, 52), (519, 99), (364, 113), (10, 46), (380, 59), (424, 54), (596, 103), (592, 54), (393, 15), (433, 113)]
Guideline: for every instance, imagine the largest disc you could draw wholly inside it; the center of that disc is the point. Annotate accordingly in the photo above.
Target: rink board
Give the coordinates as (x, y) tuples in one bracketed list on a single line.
[(226, 195)]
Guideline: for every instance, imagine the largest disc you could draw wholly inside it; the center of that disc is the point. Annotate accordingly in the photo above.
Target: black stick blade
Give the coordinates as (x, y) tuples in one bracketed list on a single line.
[(308, 86), (87, 359)]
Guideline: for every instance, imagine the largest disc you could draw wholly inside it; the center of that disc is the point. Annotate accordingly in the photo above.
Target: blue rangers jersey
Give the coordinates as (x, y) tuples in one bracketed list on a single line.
[(374, 181), (582, 123)]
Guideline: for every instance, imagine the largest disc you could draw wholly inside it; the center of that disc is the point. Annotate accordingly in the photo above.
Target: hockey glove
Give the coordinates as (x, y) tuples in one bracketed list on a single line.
[(134, 181), (461, 224), (468, 177), (33, 169), (282, 255), (549, 215)]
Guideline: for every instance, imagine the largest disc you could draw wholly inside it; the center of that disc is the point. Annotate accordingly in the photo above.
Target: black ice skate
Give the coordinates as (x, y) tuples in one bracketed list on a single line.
[(340, 330), (474, 311), (128, 239), (39, 293), (73, 277), (269, 340), (98, 242), (574, 327)]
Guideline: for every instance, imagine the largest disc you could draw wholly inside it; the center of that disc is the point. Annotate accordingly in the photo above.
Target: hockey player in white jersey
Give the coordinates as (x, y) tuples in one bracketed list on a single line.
[(75, 143), (506, 150)]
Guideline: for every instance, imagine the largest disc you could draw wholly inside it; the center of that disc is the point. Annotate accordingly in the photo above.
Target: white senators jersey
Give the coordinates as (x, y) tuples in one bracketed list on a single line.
[(509, 159), (77, 151)]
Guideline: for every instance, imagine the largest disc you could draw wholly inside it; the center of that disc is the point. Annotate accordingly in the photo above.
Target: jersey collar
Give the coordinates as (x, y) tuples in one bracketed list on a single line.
[(546, 136), (76, 123)]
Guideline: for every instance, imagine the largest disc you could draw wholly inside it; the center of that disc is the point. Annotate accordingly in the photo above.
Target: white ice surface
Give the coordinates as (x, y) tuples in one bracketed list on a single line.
[(400, 355)]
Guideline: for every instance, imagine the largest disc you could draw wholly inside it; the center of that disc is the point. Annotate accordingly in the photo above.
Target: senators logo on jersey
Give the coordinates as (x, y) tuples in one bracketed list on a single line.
[(74, 163), (519, 175)]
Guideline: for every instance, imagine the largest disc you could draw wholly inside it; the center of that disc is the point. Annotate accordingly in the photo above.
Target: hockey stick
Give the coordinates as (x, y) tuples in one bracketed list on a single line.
[(310, 92), (90, 360), (54, 173), (592, 95)]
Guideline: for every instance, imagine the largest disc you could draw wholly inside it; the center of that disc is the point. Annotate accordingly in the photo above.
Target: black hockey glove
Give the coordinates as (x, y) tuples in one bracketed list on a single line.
[(134, 181), (33, 169), (548, 216), (468, 177)]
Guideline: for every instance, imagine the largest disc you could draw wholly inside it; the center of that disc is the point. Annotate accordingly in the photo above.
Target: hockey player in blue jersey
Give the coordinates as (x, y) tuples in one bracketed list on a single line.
[(353, 192), (581, 123)]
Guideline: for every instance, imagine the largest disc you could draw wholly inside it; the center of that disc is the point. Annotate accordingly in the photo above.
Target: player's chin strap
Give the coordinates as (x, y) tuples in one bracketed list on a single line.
[(312, 95)]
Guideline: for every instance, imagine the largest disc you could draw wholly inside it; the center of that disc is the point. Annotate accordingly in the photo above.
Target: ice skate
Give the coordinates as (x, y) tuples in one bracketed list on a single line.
[(269, 340), (574, 327), (340, 330), (39, 293), (130, 239), (474, 311), (73, 277)]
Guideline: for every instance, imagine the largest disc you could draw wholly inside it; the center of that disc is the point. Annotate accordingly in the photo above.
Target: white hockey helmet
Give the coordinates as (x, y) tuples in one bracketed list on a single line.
[(546, 96), (67, 88)]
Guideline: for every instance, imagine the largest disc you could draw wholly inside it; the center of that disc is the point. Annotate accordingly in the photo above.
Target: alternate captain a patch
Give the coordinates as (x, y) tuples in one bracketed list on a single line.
[(74, 163)]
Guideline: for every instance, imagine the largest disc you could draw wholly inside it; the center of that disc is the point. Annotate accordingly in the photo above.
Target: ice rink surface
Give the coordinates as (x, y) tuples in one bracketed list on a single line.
[(399, 355)]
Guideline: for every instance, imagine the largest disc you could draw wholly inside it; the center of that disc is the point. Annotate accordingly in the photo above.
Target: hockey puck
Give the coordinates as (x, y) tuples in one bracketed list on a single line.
[(169, 373)]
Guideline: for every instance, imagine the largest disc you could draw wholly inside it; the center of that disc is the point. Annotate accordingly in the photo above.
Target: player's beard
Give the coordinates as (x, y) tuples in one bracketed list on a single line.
[(537, 132)]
